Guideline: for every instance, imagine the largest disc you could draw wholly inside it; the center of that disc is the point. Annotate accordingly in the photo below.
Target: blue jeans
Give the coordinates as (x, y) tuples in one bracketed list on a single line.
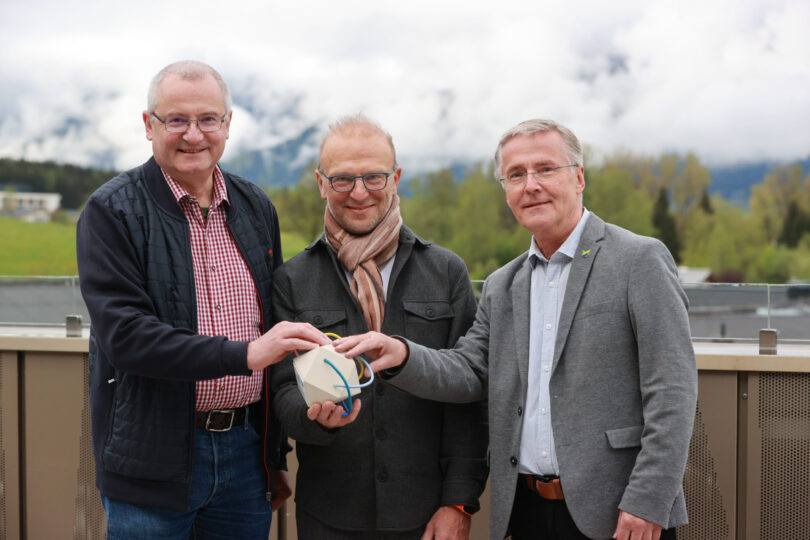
[(228, 495)]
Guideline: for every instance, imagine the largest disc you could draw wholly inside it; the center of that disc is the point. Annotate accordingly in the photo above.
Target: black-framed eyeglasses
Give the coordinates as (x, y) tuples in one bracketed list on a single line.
[(373, 181), (543, 174), (180, 124)]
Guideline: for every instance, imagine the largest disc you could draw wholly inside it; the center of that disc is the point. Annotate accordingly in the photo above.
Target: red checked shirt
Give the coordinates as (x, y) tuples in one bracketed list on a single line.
[(227, 302)]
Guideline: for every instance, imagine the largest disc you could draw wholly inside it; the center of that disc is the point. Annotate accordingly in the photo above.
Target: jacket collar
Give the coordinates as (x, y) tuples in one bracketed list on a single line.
[(407, 241), (406, 236), (162, 193)]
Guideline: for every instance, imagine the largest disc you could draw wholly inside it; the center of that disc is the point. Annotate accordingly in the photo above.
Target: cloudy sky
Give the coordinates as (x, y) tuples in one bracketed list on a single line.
[(727, 79)]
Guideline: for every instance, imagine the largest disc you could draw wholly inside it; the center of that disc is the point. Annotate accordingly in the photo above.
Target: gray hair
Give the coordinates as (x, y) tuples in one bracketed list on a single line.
[(190, 70), (571, 144), (354, 121)]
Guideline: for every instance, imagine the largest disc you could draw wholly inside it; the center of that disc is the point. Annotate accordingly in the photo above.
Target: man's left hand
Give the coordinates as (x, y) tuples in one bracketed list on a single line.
[(281, 481), (636, 528), (448, 523), (331, 416)]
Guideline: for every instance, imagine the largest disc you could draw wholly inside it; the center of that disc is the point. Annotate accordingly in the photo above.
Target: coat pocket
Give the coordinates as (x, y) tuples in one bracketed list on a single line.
[(428, 322), (430, 311), (150, 429), (325, 320), (627, 437)]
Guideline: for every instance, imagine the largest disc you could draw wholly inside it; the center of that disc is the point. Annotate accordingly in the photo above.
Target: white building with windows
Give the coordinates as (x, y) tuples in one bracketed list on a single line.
[(30, 206)]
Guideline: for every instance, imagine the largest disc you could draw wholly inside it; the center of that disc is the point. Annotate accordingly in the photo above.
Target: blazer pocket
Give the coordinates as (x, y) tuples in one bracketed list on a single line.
[(333, 320), (594, 309), (627, 437)]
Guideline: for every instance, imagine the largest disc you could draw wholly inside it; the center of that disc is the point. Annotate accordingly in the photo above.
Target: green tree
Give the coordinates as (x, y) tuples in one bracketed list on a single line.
[(799, 264), (727, 241), (771, 200), (427, 210), (706, 202), (478, 234), (664, 223), (610, 194), (690, 185), (772, 265), (668, 165), (639, 168), (300, 208), (795, 225)]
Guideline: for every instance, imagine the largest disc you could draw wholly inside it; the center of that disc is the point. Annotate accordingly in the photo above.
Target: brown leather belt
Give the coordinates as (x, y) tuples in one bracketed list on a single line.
[(220, 419), (548, 487)]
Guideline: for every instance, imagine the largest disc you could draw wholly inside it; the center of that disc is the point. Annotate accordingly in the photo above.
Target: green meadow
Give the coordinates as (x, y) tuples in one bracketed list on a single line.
[(37, 249), (49, 249)]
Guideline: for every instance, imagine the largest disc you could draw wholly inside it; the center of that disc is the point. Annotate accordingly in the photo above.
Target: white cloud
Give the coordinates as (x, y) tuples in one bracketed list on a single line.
[(725, 79)]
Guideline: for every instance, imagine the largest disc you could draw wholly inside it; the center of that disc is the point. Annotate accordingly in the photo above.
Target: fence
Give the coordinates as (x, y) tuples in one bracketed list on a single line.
[(748, 474)]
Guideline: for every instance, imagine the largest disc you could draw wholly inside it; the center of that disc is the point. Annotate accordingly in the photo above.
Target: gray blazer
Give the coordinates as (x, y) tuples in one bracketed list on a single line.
[(623, 383)]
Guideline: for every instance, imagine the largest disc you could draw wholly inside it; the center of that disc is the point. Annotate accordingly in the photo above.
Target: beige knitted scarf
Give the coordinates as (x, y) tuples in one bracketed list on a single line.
[(363, 256)]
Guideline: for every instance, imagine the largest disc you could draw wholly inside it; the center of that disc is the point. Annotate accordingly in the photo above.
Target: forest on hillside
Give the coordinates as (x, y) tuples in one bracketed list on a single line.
[(74, 183), (666, 197)]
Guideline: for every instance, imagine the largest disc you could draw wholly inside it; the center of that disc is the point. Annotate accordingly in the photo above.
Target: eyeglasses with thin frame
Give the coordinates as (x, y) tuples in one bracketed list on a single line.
[(373, 181), (180, 124), (543, 174)]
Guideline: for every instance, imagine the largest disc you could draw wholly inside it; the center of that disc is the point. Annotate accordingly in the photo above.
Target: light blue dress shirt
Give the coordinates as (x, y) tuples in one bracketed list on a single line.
[(548, 281)]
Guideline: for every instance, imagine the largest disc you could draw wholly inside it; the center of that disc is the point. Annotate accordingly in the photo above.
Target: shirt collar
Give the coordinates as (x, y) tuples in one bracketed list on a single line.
[(180, 193), (567, 249)]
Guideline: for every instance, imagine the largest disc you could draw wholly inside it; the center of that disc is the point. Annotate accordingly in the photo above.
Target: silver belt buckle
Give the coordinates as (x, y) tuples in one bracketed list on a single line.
[(220, 411)]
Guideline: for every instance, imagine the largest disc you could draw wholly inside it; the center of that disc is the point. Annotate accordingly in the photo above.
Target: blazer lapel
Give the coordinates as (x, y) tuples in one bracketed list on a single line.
[(521, 286), (580, 270)]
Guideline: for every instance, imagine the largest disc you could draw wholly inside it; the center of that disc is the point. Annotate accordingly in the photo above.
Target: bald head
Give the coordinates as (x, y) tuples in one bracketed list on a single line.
[(355, 125)]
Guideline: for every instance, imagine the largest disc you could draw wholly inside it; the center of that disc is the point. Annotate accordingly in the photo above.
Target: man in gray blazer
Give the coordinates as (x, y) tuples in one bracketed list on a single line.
[(582, 346)]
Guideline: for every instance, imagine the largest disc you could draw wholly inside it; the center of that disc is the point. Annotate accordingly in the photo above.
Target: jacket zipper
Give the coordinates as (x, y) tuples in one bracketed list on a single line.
[(269, 492), (265, 377)]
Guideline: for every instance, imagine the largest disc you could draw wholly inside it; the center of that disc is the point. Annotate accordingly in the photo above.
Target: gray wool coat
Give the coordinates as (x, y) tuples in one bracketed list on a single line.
[(623, 384), (403, 456)]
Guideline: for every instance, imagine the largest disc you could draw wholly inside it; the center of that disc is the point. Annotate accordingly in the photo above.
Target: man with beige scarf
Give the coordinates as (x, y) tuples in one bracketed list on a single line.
[(397, 466)]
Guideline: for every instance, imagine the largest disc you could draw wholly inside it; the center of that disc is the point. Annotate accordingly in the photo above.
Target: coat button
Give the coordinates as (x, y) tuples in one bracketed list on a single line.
[(381, 434), (317, 319), (429, 312), (520, 411), (382, 476), (513, 461), (380, 388)]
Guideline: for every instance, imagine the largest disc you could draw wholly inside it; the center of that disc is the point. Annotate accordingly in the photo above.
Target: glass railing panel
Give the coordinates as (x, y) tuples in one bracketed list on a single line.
[(40, 300), (717, 311), (738, 311)]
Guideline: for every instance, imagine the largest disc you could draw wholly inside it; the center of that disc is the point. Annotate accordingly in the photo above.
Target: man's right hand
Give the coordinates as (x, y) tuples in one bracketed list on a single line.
[(281, 340), (386, 351), (331, 416)]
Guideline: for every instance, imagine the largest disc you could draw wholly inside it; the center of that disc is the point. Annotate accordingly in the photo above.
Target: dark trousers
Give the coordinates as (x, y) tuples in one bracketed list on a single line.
[(536, 518), (310, 528)]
